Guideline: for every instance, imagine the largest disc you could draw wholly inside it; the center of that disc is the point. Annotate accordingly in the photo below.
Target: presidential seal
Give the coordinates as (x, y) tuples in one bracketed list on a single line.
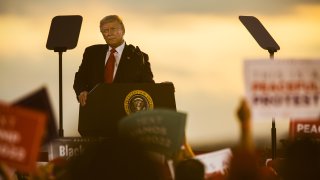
[(137, 100)]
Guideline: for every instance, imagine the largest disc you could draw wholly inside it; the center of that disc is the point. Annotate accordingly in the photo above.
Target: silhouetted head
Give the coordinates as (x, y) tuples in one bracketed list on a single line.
[(119, 159), (302, 160), (190, 169)]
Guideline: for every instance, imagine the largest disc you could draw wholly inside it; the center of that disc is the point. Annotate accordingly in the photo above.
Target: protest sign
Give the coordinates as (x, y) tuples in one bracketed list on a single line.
[(304, 127), (216, 161), (283, 88), (21, 133), (69, 147), (39, 100), (160, 130)]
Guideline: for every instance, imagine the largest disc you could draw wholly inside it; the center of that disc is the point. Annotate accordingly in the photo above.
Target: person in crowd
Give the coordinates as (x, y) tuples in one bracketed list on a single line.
[(244, 163), (190, 169), (7, 172), (301, 160), (118, 159), (113, 62)]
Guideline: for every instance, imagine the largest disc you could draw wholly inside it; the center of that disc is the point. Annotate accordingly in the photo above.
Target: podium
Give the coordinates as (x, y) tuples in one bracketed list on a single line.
[(107, 104)]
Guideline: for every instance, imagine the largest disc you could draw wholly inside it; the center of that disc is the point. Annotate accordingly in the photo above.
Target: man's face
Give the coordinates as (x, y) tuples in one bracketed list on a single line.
[(112, 33)]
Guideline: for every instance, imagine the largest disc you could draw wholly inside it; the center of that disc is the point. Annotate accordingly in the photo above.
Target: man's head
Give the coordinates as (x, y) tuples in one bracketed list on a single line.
[(112, 29)]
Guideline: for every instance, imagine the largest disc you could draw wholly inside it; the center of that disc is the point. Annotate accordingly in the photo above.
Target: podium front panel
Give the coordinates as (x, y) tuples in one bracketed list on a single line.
[(107, 104)]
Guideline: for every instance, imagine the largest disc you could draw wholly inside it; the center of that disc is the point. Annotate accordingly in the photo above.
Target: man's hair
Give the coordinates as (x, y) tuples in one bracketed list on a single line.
[(112, 18)]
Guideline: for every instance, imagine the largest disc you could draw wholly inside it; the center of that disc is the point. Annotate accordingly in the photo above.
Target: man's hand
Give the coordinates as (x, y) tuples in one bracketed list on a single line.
[(83, 98)]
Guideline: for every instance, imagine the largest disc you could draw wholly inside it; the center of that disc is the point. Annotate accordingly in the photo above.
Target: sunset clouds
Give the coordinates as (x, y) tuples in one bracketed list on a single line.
[(198, 45)]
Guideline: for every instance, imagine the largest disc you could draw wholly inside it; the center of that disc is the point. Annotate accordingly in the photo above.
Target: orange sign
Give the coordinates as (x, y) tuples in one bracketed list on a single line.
[(21, 133), (304, 127)]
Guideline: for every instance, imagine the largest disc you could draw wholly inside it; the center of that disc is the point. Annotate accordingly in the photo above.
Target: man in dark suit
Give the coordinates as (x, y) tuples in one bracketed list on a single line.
[(114, 62)]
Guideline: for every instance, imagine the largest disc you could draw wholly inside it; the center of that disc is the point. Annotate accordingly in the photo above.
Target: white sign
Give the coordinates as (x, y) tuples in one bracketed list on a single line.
[(283, 88), (216, 161)]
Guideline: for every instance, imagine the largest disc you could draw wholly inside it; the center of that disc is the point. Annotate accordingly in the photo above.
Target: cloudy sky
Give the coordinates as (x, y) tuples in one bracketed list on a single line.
[(200, 46)]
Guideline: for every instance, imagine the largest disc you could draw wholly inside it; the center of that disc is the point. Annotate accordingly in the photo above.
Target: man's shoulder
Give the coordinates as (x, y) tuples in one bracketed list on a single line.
[(97, 47)]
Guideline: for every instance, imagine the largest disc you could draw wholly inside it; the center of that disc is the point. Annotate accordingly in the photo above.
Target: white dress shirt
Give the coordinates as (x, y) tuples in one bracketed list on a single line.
[(117, 56)]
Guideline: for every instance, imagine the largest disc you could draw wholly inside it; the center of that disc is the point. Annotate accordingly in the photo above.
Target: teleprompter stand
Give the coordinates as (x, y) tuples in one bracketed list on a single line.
[(265, 40), (63, 35)]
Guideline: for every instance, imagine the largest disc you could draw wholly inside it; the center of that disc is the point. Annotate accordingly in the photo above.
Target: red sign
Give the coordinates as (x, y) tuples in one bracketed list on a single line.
[(304, 127), (21, 133)]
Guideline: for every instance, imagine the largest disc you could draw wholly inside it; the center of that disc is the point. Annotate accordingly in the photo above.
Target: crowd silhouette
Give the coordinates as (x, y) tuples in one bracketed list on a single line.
[(125, 158)]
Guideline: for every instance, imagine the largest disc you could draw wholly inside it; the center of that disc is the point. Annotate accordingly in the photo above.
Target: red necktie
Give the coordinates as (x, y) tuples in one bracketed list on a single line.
[(109, 68)]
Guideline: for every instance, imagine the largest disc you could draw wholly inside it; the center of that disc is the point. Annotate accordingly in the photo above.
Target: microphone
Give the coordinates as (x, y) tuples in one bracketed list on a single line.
[(140, 53)]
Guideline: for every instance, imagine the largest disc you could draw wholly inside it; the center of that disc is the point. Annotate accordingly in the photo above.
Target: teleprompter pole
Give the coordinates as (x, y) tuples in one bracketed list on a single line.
[(265, 41), (273, 126), (60, 51), (60, 97), (63, 35)]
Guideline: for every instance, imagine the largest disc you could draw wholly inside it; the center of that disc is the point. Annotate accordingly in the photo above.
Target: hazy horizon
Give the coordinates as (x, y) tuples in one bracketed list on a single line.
[(199, 46)]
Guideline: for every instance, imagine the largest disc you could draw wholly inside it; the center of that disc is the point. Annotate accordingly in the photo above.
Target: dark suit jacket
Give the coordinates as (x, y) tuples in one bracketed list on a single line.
[(134, 67)]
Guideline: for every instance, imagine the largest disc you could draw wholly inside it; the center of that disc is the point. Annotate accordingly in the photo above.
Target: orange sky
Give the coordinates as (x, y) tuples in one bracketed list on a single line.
[(201, 53)]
